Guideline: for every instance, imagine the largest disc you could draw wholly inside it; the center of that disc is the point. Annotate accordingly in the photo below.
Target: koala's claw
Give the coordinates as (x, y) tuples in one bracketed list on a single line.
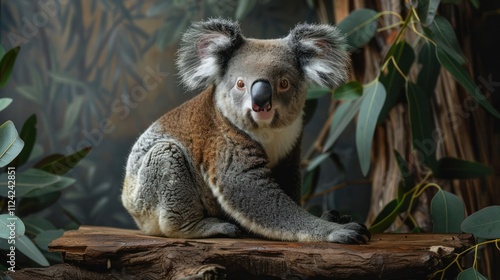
[(335, 217), (351, 233)]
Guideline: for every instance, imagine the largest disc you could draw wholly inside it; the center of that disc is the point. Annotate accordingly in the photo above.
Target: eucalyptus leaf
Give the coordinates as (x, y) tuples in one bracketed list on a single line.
[(317, 92), (444, 36), (461, 76), (28, 248), (359, 27), (4, 102), (429, 73), (455, 168), (372, 102), (30, 93), (35, 225), (28, 135), (33, 182), (422, 124), (68, 79), (448, 212), (43, 239), (342, 116), (403, 55), (73, 112), (11, 223), (426, 10), (7, 64), (315, 162), (10, 143), (470, 274), (386, 217), (30, 205), (348, 91), (484, 223), (60, 165)]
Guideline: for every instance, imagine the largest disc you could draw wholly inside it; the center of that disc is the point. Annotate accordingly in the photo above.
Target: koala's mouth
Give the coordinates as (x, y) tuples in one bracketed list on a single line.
[(262, 118)]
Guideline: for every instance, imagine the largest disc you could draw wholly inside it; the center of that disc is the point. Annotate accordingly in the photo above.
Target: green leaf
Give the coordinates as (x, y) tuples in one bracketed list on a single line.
[(390, 212), (470, 274), (30, 93), (484, 223), (349, 91), (73, 112), (4, 102), (429, 73), (455, 168), (426, 10), (36, 225), (443, 35), (10, 143), (28, 135), (359, 27), (372, 102), (465, 80), (393, 81), (316, 161), (422, 124), (7, 64), (43, 239), (10, 223), (26, 246), (34, 182), (386, 217), (244, 8), (30, 205), (342, 117), (447, 212), (61, 165), (317, 92), (69, 80), (2, 52)]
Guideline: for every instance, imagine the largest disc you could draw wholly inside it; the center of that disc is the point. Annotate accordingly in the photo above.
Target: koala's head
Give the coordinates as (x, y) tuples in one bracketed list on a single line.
[(261, 83)]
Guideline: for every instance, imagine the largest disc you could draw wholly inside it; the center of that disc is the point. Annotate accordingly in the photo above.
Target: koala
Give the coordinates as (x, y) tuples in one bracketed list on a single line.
[(228, 159)]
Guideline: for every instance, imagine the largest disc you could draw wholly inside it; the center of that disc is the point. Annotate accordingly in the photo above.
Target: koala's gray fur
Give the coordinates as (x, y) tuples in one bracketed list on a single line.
[(234, 150)]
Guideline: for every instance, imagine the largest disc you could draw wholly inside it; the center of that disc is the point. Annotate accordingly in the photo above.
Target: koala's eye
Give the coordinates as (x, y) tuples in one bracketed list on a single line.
[(240, 84), (284, 84)]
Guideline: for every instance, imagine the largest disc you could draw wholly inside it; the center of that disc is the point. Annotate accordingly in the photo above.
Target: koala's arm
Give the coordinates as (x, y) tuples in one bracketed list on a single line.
[(287, 174), (246, 191)]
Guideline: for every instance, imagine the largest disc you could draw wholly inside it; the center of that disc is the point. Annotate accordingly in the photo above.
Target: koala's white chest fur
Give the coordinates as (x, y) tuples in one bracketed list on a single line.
[(277, 142)]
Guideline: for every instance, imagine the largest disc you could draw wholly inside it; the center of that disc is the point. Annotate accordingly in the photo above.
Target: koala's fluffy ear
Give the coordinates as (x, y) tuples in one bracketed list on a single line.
[(206, 48), (320, 49)]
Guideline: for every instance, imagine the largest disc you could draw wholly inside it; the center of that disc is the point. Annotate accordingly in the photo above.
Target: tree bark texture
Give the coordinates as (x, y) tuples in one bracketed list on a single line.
[(111, 253)]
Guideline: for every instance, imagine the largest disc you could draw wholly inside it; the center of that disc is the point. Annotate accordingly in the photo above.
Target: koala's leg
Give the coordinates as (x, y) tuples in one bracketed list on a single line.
[(170, 195)]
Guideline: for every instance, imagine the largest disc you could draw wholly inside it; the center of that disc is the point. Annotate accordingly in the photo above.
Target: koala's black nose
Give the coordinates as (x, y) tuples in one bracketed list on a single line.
[(262, 94)]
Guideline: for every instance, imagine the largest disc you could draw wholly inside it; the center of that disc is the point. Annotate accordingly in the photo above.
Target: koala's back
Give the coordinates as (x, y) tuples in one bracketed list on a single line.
[(190, 128)]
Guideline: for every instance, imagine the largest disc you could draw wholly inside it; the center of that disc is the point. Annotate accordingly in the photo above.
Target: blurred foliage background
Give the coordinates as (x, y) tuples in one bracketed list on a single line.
[(97, 73)]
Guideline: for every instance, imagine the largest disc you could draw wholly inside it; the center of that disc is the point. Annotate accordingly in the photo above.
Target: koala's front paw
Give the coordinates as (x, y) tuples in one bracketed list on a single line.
[(350, 233), (334, 216)]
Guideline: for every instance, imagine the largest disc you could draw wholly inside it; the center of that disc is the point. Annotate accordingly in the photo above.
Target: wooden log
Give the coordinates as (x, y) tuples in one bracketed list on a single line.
[(109, 253)]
